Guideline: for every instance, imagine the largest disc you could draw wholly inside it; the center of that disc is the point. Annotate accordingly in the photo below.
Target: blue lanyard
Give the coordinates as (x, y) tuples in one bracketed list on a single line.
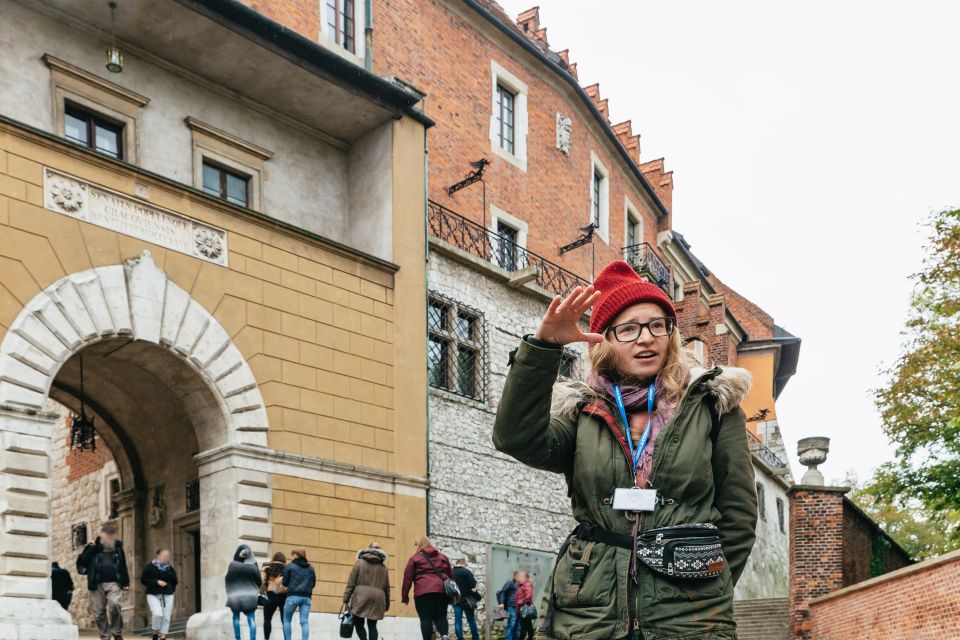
[(642, 444)]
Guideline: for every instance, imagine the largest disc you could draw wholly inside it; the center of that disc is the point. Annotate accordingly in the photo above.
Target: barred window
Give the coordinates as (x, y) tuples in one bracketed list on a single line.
[(455, 352)]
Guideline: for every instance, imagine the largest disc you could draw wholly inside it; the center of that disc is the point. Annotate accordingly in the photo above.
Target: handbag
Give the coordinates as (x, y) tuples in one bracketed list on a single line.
[(450, 587), (683, 551), (470, 601), (529, 612), (346, 624)]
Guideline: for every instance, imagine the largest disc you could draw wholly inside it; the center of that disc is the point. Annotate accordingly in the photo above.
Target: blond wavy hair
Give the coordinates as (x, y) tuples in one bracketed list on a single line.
[(671, 379)]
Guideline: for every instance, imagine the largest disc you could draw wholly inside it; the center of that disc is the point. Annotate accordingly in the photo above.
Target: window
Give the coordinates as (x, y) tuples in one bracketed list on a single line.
[(225, 184), (781, 516), (78, 535), (504, 116), (568, 365), (633, 233), (506, 249), (340, 23), (114, 490), (91, 130), (226, 166), (599, 198), (761, 507), (455, 353), (508, 117)]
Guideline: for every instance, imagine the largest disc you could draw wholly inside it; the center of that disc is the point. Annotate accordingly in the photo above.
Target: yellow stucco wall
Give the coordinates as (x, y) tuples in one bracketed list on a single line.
[(761, 365), (341, 377)]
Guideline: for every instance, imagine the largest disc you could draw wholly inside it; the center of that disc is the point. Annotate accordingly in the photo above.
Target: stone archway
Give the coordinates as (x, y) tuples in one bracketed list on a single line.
[(137, 302)]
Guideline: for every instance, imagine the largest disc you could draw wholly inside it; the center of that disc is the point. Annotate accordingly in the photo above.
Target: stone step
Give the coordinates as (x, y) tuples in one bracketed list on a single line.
[(762, 619)]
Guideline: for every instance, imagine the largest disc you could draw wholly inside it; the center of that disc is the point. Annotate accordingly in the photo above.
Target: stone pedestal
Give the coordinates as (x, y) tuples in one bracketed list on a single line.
[(35, 619)]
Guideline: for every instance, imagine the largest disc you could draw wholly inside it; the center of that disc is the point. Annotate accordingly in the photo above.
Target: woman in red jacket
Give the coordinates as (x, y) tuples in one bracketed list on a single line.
[(524, 597), (426, 570)]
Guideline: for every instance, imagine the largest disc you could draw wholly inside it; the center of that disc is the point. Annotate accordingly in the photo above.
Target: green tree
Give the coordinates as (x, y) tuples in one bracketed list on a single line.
[(920, 404)]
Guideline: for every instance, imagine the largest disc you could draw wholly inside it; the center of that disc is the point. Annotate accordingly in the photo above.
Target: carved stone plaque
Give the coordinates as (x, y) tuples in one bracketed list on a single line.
[(85, 201), (564, 130)]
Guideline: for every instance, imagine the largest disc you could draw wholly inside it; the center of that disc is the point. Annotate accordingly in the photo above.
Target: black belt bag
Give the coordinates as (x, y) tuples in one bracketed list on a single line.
[(679, 551)]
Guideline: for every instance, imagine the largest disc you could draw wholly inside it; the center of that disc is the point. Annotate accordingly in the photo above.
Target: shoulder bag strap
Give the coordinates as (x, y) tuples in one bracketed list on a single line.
[(427, 558)]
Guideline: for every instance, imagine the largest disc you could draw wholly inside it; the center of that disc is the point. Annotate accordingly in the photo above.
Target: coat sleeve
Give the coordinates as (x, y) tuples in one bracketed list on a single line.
[(351, 584), (408, 575), (83, 560), (735, 494), (386, 588), (524, 428), (146, 579), (287, 572)]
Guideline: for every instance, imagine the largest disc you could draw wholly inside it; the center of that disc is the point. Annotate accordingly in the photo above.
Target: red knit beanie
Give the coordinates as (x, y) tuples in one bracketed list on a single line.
[(619, 287)]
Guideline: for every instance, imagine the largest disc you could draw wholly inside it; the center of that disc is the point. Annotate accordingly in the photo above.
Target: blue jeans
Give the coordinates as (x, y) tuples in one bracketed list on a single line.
[(458, 612), (512, 627), (292, 603), (251, 622)]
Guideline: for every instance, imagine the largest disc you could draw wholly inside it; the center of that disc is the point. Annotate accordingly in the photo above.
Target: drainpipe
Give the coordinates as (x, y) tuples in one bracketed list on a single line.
[(368, 35), (426, 281)]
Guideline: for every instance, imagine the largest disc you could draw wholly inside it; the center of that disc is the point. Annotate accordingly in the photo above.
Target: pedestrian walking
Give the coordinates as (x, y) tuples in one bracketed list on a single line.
[(425, 572), (160, 579), (299, 579), (104, 564), (367, 595), (526, 612), (271, 587), (655, 454), (467, 583), (61, 585), (507, 601), (243, 589)]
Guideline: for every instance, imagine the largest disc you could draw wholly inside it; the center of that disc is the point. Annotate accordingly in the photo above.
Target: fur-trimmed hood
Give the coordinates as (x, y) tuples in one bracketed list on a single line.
[(372, 554), (729, 386)]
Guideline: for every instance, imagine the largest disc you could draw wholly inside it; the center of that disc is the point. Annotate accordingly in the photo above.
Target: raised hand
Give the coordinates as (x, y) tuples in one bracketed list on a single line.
[(561, 323)]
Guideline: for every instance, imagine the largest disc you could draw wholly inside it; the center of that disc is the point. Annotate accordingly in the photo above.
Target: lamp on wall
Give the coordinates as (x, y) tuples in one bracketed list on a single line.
[(82, 431), (114, 57)]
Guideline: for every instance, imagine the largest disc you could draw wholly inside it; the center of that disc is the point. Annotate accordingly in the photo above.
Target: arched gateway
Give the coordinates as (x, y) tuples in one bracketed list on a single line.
[(171, 386)]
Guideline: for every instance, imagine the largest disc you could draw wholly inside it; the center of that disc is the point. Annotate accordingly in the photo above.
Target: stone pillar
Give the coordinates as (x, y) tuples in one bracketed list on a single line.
[(25, 544), (130, 527), (816, 550)]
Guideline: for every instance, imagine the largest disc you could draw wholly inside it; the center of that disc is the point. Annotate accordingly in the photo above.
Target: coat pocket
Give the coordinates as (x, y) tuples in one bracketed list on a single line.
[(585, 576), (669, 589)]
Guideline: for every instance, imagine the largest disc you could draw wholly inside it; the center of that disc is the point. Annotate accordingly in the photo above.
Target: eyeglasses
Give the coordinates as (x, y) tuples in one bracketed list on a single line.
[(630, 331)]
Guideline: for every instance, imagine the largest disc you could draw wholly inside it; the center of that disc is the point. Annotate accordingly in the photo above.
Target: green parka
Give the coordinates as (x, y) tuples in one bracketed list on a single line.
[(701, 478)]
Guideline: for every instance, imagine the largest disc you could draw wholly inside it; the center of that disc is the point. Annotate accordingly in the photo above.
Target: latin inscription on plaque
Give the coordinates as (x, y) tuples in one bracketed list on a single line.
[(88, 202)]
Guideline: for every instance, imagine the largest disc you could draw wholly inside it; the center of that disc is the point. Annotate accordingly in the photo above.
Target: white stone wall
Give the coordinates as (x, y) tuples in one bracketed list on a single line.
[(73, 503), (765, 575), (479, 496)]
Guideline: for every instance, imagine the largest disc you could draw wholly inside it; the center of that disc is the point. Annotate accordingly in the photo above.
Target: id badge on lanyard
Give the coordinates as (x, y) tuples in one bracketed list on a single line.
[(634, 498)]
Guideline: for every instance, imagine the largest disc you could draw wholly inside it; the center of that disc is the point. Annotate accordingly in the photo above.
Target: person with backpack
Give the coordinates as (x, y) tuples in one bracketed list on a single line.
[(243, 589), (426, 571), (467, 583), (161, 581), (271, 587), (61, 585), (507, 600), (104, 563), (367, 595), (524, 604), (655, 455), (299, 579)]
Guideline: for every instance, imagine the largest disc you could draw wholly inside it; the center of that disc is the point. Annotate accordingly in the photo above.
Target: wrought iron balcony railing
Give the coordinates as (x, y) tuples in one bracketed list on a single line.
[(645, 260), (764, 452), (490, 246)]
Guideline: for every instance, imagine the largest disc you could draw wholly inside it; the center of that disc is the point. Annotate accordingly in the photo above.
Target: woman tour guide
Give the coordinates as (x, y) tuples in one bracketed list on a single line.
[(656, 461)]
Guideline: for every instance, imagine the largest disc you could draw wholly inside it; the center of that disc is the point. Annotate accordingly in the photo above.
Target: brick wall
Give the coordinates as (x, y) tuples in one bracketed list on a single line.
[(867, 551), (81, 463), (919, 602), (816, 550)]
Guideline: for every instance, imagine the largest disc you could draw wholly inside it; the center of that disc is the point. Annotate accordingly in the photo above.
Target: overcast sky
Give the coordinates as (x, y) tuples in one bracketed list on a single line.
[(809, 141)]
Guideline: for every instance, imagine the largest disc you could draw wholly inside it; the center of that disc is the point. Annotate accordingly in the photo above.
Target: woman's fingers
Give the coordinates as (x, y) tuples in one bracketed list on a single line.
[(589, 337), (569, 300)]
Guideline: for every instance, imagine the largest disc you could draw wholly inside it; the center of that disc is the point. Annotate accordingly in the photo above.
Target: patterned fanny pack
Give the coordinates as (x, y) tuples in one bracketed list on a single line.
[(683, 551)]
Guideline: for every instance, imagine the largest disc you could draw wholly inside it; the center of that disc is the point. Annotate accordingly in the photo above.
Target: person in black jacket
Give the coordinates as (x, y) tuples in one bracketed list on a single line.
[(61, 585), (105, 565), (299, 578), (507, 599), (161, 581), (468, 600)]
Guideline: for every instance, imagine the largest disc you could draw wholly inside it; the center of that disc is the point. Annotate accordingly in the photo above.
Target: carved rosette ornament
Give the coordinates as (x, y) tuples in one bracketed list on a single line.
[(208, 242), (68, 195)]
